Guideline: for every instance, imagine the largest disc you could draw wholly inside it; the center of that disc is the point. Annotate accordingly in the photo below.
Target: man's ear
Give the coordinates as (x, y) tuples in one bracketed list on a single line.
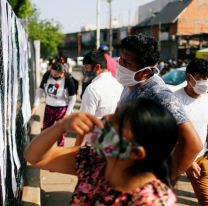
[(187, 76), (148, 72), (97, 68), (138, 153), (143, 74)]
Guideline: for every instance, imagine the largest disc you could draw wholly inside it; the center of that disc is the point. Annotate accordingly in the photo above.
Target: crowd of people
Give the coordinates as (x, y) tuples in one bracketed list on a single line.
[(134, 135)]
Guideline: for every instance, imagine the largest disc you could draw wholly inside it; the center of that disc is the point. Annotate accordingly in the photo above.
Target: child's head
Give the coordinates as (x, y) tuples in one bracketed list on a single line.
[(153, 128), (143, 131), (57, 70), (151, 124)]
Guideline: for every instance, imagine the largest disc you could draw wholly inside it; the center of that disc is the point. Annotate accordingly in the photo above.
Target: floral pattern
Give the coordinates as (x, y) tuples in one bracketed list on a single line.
[(93, 189)]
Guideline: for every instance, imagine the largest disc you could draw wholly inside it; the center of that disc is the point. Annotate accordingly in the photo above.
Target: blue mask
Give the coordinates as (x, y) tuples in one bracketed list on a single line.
[(108, 143)]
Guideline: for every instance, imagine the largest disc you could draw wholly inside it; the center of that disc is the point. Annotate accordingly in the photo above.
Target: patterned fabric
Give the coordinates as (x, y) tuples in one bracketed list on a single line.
[(93, 189), (53, 114), (158, 91)]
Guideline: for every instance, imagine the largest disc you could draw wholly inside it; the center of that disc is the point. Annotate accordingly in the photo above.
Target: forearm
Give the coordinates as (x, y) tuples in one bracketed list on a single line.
[(189, 145), (42, 143), (182, 159), (42, 154), (72, 100), (39, 94), (41, 146)]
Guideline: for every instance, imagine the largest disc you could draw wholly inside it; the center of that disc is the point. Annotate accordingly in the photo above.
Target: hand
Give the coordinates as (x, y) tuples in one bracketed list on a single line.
[(195, 170), (80, 123)]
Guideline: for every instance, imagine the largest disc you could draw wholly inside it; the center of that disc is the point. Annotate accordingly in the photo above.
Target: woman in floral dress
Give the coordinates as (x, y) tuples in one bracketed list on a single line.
[(125, 160)]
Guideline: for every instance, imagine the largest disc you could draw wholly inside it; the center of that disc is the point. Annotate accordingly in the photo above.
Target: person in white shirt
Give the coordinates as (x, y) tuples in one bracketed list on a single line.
[(194, 97), (60, 95), (101, 96)]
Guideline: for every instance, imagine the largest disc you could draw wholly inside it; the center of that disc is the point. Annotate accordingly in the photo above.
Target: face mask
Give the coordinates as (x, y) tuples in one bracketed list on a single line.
[(201, 86), (127, 77), (56, 78), (90, 74), (107, 142)]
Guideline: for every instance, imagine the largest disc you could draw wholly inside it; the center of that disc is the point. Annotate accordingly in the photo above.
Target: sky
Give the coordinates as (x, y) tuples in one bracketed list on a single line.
[(74, 14)]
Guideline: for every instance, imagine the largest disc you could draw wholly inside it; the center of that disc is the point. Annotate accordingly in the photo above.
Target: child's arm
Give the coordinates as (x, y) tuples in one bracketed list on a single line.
[(42, 152)]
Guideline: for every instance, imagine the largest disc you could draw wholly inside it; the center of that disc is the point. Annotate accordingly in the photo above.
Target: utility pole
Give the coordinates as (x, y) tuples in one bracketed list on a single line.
[(78, 44), (110, 28), (159, 37), (98, 25)]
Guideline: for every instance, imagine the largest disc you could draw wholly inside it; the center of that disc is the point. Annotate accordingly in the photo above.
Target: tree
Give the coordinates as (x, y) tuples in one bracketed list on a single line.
[(48, 32), (22, 8), (49, 35)]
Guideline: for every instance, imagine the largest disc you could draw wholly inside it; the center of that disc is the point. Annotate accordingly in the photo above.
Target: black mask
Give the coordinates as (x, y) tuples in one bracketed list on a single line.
[(56, 78)]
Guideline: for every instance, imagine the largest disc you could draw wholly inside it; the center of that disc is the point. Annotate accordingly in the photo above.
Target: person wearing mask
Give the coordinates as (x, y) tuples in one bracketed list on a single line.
[(103, 93), (137, 72), (194, 97), (60, 96), (124, 161), (88, 75)]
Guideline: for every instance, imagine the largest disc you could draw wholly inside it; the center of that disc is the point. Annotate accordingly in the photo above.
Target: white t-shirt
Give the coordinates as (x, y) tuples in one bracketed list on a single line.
[(102, 95), (57, 94), (197, 112)]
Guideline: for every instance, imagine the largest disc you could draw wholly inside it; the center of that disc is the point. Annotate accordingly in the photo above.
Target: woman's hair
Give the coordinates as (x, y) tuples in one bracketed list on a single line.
[(57, 67), (145, 49), (154, 128)]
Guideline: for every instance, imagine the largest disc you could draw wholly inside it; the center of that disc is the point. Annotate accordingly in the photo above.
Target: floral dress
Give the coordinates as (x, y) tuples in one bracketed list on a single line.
[(93, 189)]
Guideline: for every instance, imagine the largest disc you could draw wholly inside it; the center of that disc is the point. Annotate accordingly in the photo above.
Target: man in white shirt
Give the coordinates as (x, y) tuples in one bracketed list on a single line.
[(102, 95), (194, 97)]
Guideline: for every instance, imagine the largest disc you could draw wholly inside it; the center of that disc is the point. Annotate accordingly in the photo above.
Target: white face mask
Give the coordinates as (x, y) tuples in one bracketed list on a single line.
[(127, 77), (201, 86)]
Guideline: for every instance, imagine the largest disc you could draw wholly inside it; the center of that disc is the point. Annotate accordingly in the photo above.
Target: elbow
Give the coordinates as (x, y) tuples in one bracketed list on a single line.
[(29, 157)]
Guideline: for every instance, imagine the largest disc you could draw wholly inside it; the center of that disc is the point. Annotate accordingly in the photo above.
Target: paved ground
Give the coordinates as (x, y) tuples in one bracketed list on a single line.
[(56, 188)]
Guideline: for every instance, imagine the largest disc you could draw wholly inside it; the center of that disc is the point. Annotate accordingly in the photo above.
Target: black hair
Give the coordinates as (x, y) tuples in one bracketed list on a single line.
[(57, 67), (154, 128), (95, 57), (144, 47), (198, 66)]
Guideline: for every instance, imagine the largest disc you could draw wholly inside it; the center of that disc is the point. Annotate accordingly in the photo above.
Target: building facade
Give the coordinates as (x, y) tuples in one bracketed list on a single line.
[(181, 27)]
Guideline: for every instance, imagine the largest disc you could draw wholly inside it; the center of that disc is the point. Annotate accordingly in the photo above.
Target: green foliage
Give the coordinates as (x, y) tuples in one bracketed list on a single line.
[(12, 3), (22, 8), (46, 31), (49, 35)]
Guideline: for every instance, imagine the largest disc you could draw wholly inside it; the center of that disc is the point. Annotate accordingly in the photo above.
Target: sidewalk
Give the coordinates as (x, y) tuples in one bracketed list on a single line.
[(50, 189)]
